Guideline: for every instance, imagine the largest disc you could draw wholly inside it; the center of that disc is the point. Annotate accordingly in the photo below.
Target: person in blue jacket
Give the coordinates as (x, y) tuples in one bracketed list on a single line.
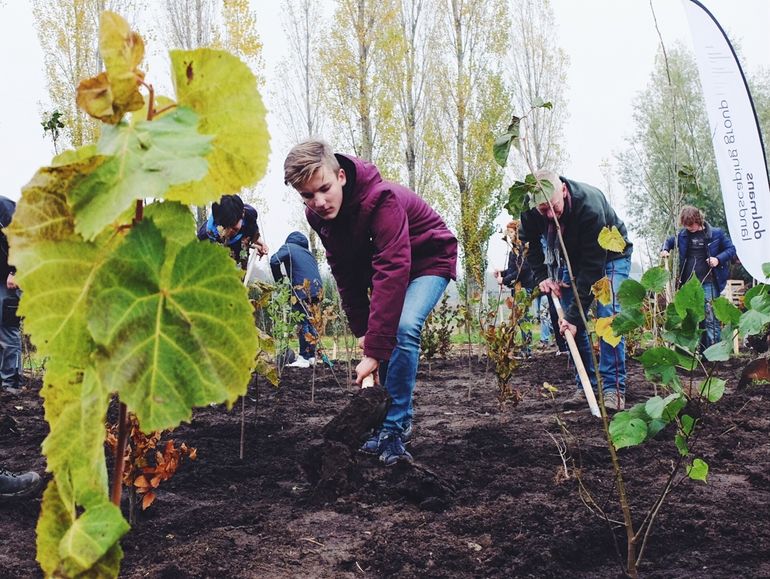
[(300, 266), (705, 252), (234, 225), (10, 324)]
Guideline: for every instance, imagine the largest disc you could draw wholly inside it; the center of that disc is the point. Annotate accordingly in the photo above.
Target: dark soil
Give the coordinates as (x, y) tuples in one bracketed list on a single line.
[(488, 495)]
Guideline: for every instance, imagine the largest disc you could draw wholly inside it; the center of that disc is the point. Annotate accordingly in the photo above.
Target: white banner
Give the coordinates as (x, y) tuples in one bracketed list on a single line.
[(738, 147)]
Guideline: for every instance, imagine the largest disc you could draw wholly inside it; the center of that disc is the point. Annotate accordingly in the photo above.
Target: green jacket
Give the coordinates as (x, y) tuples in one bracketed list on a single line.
[(586, 212)]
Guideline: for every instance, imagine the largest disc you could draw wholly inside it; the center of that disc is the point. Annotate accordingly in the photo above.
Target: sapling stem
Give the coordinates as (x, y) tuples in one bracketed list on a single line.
[(120, 451)]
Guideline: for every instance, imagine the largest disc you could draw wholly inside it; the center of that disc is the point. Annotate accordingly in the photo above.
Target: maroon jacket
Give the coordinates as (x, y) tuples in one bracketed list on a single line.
[(383, 237)]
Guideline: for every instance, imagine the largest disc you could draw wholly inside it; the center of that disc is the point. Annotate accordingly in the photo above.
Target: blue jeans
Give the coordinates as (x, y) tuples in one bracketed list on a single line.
[(544, 317), (306, 348), (400, 372), (612, 361), (711, 323), (10, 338)]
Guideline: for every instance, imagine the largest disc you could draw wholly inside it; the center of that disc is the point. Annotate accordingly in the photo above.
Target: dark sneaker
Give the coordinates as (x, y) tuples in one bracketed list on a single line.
[(373, 444), (393, 449), (576, 401), (12, 390), (17, 486), (614, 400)]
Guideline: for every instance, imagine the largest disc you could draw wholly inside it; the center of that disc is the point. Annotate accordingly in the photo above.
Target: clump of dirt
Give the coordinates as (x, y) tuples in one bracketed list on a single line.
[(489, 494)]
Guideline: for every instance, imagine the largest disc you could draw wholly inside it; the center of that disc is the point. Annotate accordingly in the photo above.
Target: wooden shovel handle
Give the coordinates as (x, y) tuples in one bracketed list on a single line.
[(581, 369)]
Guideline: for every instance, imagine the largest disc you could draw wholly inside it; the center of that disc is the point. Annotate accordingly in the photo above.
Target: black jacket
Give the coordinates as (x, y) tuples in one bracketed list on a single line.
[(7, 209), (518, 269), (586, 212)]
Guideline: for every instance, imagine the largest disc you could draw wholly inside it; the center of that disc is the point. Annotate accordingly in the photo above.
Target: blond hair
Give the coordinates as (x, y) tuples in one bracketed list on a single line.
[(305, 159)]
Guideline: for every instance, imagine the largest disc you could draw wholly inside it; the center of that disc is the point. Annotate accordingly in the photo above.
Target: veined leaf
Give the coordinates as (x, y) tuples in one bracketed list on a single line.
[(713, 389), (698, 470), (631, 294), (43, 213), (611, 239), (111, 94), (175, 220), (604, 331), (719, 352), (627, 431), (690, 298), (655, 279), (725, 311), (660, 363), (602, 290), (502, 145), (87, 546), (173, 336), (222, 90), (75, 408), (144, 160)]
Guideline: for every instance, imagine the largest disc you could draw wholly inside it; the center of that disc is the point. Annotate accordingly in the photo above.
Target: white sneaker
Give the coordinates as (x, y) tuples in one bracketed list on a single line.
[(300, 362)]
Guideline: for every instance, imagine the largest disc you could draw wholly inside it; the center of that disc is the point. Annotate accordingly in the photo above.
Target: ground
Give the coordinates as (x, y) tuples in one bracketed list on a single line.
[(488, 498)]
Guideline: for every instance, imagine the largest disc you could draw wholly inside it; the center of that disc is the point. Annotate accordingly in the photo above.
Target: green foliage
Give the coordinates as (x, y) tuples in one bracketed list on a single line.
[(437, 331), (283, 318), (123, 299)]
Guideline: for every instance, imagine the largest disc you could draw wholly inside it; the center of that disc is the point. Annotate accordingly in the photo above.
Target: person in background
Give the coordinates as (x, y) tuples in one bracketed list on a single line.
[(301, 268), (581, 212), (10, 324), (518, 271), (382, 238), (18, 485), (234, 224), (704, 252)]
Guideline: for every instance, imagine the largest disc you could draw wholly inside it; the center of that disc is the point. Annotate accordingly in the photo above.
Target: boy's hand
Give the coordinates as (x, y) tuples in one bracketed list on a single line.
[(10, 282), (367, 366), (565, 326), (261, 247), (664, 253), (550, 286)]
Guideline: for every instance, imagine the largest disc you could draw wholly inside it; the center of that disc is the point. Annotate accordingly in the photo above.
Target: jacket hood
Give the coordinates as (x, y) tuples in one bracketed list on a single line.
[(298, 238), (361, 175), (7, 209)]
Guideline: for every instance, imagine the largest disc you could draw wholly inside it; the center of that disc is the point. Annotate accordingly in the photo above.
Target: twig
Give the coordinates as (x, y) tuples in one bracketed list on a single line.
[(243, 425), (310, 540), (562, 450)]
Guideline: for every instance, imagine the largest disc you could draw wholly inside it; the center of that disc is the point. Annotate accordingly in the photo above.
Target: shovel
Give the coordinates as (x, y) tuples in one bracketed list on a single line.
[(584, 381), (365, 411)]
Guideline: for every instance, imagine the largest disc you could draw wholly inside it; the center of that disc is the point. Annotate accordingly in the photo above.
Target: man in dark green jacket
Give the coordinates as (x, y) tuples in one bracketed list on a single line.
[(581, 212)]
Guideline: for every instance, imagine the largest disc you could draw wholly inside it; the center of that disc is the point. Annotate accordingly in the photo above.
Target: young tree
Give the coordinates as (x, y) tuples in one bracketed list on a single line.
[(299, 82), (669, 161), (357, 97), (537, 69), (474, 101), (412, 71), (69, 36)]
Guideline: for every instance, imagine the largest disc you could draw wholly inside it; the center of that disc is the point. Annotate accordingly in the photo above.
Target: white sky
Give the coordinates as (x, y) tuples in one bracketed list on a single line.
[(611, 45)]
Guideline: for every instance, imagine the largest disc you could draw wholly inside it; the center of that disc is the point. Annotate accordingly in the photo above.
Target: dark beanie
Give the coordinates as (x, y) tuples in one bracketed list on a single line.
[(228, 211)]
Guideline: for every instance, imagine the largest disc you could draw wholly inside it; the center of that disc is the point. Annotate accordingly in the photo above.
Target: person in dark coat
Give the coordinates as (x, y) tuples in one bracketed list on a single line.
[(301, 267), (704, 252), (382, 238), (234, 224), (10, 324), (582, 212), (518, 272)]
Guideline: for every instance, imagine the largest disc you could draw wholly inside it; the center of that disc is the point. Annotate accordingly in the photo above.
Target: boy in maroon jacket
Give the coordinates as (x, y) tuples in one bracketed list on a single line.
[(380, 237)]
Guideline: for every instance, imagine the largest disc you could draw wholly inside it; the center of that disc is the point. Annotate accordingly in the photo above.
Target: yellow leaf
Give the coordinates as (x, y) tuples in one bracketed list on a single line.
[(110, 94), (549, 387), (604, 331), (602, 289), (611, 239), (222, 90)]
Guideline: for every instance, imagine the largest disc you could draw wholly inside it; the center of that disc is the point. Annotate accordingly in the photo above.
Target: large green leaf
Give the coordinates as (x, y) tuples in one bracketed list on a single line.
[(713, 389), (69, 545), (223, 91), (655, 279), (144, 160), (176, 328), (725, 311), (75, 408), (175, 220), (660, 364), (690, 298), (631, 294), (502, 145), (719, 352), (42, 213), (625, 430), (698, 470)]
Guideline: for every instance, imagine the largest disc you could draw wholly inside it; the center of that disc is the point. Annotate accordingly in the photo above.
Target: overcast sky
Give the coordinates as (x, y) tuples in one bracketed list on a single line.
[(611, 46)]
